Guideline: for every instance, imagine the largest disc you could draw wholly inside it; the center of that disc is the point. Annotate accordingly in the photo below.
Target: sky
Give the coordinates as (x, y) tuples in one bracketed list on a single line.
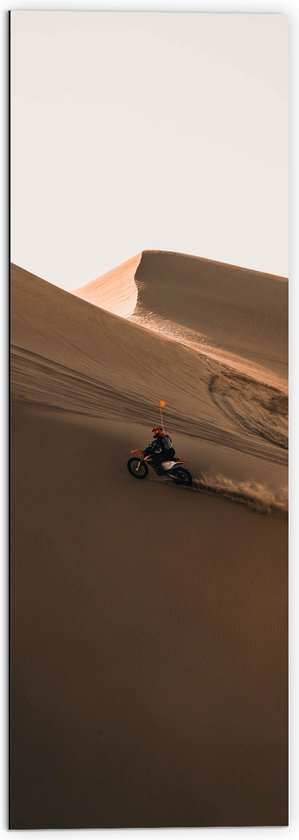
[(134, 131)]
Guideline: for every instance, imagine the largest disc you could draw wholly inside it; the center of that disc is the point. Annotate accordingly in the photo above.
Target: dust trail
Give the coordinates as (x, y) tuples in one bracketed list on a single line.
[(255, 496)]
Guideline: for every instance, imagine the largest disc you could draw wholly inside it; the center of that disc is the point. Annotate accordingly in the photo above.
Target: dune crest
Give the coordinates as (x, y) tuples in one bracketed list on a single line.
[(115, 291)]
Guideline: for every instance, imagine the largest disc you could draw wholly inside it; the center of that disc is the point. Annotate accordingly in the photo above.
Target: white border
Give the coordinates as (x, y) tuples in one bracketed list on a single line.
[(289, 7)]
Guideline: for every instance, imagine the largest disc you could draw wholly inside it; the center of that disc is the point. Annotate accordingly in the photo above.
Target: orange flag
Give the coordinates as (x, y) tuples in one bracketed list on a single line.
[(162, 403)]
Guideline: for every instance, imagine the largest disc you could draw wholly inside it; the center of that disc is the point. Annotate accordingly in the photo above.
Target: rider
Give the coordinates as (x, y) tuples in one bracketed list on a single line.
[(161, 447)]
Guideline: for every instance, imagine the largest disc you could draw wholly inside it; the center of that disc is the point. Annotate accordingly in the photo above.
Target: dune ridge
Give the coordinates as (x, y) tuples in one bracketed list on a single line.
[(115, 291)]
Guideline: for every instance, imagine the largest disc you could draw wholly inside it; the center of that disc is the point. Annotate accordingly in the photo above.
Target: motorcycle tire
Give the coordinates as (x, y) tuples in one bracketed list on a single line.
[(142, 470), (182, 476)]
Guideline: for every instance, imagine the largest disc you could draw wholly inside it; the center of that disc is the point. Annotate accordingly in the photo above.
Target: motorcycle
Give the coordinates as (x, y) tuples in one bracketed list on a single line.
[(138, 467)]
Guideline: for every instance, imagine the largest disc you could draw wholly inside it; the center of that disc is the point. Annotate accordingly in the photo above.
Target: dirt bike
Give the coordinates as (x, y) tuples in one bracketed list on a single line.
[(139, 464)]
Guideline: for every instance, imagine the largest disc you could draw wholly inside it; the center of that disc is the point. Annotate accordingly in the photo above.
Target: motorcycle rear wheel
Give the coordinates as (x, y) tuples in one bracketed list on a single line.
[(137, 468), (182, 476)]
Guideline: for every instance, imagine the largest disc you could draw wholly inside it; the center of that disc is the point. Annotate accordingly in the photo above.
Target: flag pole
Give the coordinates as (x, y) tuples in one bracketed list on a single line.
[(162, 403)]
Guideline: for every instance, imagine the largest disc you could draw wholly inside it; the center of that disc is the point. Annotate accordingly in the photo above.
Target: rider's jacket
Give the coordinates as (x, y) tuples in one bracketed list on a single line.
[(161, 448)]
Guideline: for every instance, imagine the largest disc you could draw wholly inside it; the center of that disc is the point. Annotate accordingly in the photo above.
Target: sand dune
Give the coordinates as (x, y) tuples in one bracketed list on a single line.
[(149, 664), (108, 366), (228, 305), (221, 310)]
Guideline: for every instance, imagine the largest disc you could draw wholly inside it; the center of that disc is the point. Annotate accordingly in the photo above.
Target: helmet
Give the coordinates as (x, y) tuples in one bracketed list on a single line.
[(157, 431)]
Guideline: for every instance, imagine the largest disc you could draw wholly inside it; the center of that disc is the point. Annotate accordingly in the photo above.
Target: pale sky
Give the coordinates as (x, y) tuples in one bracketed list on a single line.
[(135, 131)]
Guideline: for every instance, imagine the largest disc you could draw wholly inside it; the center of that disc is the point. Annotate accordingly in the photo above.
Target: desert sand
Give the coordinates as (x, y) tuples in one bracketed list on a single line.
[(149, 622)]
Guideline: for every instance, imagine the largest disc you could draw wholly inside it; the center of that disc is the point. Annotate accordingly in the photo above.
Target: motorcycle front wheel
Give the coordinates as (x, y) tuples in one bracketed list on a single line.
[(182, 476), (137, 468)]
